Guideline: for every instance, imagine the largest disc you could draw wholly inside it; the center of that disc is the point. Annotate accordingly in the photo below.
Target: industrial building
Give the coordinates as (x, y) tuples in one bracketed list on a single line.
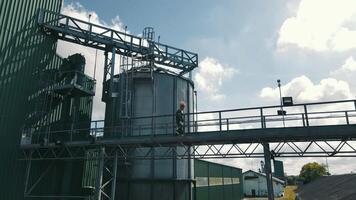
[(217, 182), (43, 96), (51, 148), (24, 52), (335, 187), (254, 184), (55, 96)]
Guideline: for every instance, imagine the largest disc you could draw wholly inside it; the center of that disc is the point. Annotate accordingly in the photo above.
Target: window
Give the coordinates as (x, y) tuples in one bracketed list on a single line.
[(235, 181), (228, 181), (215, 181), (202, 181)]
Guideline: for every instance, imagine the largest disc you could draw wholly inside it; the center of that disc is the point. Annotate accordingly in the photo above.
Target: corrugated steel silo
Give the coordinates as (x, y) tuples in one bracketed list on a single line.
[(150, 93)]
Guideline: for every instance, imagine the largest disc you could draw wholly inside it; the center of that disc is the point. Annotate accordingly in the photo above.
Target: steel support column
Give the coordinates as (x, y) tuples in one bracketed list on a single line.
[(268, 171), (113, 184), (99, 178), (112, 72), (28, 170)]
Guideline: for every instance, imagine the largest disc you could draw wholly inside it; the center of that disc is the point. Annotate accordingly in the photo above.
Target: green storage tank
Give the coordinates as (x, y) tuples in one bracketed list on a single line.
[(217, 182)]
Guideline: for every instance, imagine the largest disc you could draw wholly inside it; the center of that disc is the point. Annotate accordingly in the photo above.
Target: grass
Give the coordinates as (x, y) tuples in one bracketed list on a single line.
[(289, 193)]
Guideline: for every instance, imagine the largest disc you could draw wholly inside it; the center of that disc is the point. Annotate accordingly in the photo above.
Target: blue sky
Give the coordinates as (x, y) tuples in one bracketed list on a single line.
[(230, 32), (245, 46), (239, 34)]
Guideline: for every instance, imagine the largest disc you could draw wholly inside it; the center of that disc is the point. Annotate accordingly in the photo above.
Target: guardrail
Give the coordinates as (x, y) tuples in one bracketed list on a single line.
[(298, 115)]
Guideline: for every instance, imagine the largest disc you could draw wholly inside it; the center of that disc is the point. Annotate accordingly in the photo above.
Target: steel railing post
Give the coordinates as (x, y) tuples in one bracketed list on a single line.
[(220, 124), (306, 115), (67, 25), (262, 118), (347, 118)]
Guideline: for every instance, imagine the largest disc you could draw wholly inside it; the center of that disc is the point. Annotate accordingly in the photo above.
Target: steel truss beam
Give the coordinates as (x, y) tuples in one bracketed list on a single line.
[(99, 37), (105, 188), (107, 176), (315, 148)]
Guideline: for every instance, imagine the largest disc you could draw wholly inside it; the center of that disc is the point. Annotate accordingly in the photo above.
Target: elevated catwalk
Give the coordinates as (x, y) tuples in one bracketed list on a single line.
[(328, 129)]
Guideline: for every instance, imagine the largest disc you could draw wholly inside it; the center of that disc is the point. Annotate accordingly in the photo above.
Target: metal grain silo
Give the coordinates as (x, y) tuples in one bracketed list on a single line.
[(146, 92)]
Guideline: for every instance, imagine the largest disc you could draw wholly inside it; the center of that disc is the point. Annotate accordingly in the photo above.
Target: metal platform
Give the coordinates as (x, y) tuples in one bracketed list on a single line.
[(75, 83), (74, 89)]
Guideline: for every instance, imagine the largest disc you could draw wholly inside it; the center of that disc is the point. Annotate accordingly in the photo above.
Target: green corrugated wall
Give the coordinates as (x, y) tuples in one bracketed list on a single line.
[(217, 185), (23, 49)]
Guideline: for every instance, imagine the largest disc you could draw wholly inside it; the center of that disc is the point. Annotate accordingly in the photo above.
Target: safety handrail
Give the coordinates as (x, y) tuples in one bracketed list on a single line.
[(140, 127)]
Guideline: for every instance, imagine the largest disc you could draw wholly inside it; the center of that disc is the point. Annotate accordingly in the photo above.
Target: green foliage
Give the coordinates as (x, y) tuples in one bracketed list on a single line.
[(312, 171), (292, 180)]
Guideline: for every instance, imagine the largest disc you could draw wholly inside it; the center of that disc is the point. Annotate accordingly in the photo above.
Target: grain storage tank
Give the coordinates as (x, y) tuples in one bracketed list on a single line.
[(150, 91)]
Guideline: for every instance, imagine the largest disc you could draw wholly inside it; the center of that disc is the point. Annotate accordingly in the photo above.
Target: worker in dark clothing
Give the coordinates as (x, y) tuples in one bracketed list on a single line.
[(180, 119)]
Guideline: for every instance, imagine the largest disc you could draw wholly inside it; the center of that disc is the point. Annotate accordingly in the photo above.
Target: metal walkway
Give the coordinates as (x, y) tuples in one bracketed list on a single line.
[(323, 129)]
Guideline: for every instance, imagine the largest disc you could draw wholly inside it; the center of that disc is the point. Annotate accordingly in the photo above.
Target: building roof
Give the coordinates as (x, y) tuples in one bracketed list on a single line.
[(225, 165), (336, 187), (264, 175)]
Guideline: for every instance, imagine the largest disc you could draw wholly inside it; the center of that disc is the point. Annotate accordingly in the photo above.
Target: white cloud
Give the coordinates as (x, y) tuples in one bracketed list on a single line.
[(347, 67), (321, 26), (350, 65), (302, 89), (210, 77), (78, 11), (347, 72), (65, 49)]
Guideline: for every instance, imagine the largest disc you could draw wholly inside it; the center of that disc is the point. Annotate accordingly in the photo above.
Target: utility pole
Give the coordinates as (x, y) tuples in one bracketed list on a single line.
[(281, 101), (268, 170)]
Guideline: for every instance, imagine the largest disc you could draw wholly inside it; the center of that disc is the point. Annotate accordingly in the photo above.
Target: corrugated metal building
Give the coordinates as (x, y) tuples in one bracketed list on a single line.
[(217, 182), (23, 50), (255, 184), (25, 55), (335, 187)]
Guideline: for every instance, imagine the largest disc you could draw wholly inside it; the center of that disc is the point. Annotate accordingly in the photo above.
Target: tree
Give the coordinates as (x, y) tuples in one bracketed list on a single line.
[(312, 171), (292, 180)]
